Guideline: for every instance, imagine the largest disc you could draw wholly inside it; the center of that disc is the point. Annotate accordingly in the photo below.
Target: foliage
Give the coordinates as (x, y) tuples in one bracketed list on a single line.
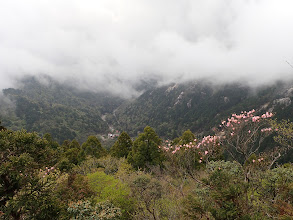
[(101, 211), (107, 187), (58, 109), (284, 137), (276, 192), (184, 179), (145, 151), (93, 147), (228, 190), (244, 134), (198, 106), (22, 155), (73, 187), (147, 192), (122, 146), (186, 138)]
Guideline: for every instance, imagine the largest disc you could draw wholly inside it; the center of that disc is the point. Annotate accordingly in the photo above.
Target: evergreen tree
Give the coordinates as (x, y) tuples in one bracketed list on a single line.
[(93, 147), (145, 149), (186, 138), (74, 144), (122, 146)]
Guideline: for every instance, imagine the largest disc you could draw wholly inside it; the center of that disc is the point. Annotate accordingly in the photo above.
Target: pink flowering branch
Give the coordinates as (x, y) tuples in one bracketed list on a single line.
[(244, 133)]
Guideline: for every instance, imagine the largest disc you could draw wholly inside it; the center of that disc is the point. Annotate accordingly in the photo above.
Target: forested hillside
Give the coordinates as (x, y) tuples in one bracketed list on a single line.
[(67, 113), (199, 106), (58, 109)]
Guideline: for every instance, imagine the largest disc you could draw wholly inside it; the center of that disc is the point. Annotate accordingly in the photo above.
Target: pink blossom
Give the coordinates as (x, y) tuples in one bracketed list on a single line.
[(253, 161), (206, 152)]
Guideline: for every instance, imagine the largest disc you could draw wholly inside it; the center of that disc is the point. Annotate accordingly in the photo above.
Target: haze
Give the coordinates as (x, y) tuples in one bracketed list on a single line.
[(112, 44)]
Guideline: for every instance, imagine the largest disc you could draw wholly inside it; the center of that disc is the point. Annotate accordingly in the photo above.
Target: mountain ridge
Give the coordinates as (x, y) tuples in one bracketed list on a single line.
[(68, 113)]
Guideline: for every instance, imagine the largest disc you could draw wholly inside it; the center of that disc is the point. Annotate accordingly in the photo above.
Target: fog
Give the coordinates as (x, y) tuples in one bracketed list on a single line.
[(112, 45)]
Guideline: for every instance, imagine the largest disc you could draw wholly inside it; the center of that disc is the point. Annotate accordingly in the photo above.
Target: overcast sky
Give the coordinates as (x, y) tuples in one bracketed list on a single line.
[(113, 44)]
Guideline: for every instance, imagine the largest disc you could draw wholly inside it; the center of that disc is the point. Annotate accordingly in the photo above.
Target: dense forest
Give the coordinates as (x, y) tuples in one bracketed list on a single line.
[(69, 113), (230, 174), (62, 111), (181, 151)]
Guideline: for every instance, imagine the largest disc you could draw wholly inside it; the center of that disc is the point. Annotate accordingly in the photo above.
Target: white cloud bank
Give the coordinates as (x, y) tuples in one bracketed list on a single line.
[(113, 44)]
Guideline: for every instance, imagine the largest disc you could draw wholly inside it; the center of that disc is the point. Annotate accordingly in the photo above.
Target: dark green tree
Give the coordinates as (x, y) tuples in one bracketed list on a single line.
[(71, 155), (186, 138), (54, 144), (1, 127), (25, 185), (145, 150), (74, 144), (122, 146), (93, 147)]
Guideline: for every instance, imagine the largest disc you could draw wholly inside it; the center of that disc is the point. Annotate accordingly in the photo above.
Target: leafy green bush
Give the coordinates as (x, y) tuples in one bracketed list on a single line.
[(107, 187)]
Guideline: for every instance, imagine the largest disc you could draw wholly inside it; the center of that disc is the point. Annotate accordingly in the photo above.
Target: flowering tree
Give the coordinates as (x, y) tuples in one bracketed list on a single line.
[(244, 134), (185, 160)]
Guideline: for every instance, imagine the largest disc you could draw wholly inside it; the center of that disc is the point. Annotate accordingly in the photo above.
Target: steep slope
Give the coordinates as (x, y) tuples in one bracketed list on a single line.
[(67, 113), (57, 109), (198, 106)]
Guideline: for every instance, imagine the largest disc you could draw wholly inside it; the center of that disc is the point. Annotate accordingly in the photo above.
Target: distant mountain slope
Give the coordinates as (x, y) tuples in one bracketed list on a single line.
[(198, 106), (67, 113), (57, 109)]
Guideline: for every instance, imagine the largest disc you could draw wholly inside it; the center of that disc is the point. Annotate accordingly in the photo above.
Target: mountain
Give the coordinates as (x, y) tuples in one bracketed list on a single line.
[(60, 110), (199, 106), (67, 113)]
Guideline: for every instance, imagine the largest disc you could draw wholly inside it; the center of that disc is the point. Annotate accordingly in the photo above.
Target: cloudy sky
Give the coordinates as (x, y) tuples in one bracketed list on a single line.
[(113, 44)]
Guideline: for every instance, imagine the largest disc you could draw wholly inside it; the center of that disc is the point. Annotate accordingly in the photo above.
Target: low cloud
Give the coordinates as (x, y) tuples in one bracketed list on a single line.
[(112, 45)]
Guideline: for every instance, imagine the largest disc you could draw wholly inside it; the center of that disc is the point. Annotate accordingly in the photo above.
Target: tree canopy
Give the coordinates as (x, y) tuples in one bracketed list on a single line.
[(122, 146), (145, 149)]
